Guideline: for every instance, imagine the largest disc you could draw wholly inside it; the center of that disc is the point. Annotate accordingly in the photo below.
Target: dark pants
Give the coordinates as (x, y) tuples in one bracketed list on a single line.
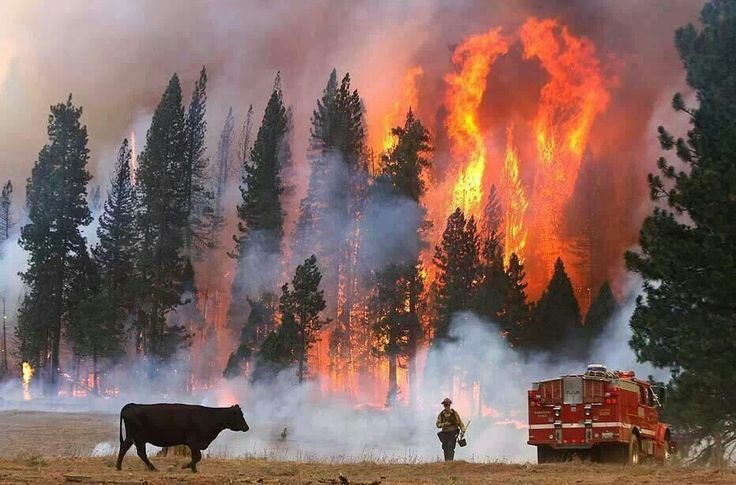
[(448, 439)]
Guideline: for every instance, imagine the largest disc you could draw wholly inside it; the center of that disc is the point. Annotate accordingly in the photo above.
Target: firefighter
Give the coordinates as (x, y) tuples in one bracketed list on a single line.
[(452, 426)]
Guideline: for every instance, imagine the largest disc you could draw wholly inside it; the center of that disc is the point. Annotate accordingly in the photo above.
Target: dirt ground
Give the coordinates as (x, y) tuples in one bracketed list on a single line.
[(37, 447)]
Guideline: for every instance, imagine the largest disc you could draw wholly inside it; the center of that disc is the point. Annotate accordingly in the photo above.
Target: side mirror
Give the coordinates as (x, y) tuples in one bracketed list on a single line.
[(660, 395)]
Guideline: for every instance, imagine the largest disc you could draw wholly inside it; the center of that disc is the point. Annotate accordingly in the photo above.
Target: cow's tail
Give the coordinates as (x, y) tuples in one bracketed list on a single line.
[(121, 426)]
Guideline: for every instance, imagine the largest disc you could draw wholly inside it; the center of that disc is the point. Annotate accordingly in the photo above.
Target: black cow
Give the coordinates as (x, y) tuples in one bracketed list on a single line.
[(175, 424)]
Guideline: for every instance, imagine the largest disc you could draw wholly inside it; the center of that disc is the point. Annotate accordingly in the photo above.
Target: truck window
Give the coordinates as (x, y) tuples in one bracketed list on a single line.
[(572, 390)]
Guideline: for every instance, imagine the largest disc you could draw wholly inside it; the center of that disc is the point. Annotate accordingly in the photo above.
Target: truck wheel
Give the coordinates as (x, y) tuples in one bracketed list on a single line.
[(544, 454), (634, 455)]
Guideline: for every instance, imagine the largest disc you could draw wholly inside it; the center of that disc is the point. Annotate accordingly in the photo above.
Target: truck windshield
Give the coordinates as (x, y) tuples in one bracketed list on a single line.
[(572, 390)]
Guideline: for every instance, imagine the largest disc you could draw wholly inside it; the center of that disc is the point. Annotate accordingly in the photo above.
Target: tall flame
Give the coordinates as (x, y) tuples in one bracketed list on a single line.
[(465, 89), (408, 99), (515, 203), (575, 93)]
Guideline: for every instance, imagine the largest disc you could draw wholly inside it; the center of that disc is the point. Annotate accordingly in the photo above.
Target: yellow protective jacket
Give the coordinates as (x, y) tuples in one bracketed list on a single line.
[(450, 421)]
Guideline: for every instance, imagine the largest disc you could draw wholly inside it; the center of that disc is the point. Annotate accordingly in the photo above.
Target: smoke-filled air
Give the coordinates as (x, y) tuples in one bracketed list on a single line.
[(337, 214)]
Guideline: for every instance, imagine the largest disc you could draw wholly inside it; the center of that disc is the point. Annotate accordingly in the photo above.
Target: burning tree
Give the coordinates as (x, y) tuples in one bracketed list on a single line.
[(398, 286), (329, 214)]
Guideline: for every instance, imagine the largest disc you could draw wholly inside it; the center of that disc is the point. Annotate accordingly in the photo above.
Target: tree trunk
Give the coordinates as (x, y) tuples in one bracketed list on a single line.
[(95, 375), (393, 388)]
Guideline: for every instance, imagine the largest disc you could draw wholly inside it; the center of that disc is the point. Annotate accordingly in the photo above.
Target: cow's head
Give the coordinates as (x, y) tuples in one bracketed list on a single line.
[(237, 420)]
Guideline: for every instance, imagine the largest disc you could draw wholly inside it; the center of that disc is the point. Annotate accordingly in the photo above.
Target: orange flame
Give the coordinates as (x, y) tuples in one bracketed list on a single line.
[(27, 374), (465, 89), (409, 99), (515, 201), (575, 93)]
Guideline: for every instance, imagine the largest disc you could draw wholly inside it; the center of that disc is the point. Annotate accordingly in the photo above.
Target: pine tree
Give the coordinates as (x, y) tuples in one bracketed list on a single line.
[(302, 304), (107, 296), (261, 214), (244, 142), (6, 226), (196, 198), (492, 219), (279, 350), (162, 221), (603, 308), (515, 312), (685, 319), (56, 198), (493, 282), (407, 160), (556, 315), (6, 216), (96, 325), (224, 160), (458, 263), (328, 217), (398, 285), (116, 252), (253, 333)]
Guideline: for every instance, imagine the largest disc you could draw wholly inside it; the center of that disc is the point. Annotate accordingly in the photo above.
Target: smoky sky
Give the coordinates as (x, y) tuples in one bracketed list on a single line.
[(116, 57)]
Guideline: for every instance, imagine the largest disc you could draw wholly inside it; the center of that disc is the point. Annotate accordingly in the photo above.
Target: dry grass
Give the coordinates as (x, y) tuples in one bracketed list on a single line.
[(217, 471), (54, 448)]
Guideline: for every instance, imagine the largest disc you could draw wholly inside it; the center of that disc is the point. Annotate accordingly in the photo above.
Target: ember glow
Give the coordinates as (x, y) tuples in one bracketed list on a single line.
[(27, 374)]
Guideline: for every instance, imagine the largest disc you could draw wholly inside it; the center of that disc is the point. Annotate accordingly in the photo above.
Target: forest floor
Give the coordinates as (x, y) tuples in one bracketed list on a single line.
[(42, 447)]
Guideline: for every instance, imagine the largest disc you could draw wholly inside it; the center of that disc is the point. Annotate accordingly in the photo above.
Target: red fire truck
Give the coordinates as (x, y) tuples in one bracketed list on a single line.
[(600, 415)]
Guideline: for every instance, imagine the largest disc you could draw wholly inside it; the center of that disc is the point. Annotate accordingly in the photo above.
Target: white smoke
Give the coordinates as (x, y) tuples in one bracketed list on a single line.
[(297, 422)]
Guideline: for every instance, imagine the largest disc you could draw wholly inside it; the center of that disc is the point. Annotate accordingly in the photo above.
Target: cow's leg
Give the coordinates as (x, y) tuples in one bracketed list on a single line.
[(196, 456), (141, 448), (124, 447)]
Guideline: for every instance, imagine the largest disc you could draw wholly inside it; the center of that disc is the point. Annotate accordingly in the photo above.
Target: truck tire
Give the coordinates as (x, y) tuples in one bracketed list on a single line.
[(634, 455), (545, 454)]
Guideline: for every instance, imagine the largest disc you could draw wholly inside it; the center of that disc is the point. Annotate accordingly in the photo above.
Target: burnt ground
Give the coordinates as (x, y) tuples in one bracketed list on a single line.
[(38, 447)]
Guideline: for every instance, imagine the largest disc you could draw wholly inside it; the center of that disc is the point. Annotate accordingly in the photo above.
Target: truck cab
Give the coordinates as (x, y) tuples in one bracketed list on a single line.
[(599, 415)]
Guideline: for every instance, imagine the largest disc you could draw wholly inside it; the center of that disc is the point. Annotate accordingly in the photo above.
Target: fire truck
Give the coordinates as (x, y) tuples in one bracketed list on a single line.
[(600, 415)]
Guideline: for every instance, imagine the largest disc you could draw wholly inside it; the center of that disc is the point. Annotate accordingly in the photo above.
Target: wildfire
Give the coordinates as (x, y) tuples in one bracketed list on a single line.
[(515, 203), (570, 101), (473, 58), (409, 99), (27, 374)]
